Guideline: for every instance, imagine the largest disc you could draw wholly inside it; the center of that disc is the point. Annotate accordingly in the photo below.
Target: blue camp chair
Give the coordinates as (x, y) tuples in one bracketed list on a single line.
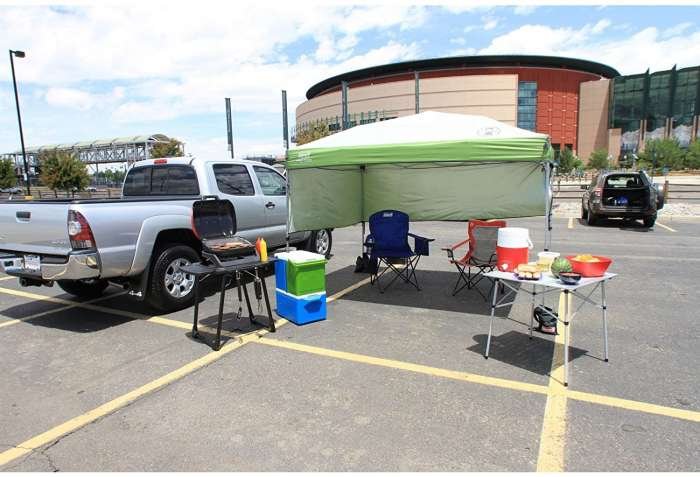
[(387, 243)]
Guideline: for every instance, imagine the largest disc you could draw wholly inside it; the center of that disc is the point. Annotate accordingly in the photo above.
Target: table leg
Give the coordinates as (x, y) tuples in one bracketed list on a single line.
[(605, 321), (217, 344), (493, 311), (532, 308), (566, 337), (267, 304), (195, 331)]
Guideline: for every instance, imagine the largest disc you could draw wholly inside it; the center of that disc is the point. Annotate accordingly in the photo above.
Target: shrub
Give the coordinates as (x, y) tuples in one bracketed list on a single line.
[(598, 160), (7, 174)]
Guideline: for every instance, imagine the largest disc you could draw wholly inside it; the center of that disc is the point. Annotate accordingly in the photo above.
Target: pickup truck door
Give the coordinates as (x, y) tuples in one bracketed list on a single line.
[(273, 188), (234, 182)]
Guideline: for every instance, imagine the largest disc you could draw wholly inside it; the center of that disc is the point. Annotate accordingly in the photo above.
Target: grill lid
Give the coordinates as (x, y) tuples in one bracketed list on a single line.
[(214, 219)]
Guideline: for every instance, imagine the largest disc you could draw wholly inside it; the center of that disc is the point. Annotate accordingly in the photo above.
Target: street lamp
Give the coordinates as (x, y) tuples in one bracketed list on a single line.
[(20, 54)]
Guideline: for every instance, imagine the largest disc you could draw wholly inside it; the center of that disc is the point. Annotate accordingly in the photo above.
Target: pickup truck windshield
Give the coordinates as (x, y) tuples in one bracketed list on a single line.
[(161, 180)]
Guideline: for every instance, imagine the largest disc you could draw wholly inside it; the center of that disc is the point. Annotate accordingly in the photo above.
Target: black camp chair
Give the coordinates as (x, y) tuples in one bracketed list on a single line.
[(388, 243)]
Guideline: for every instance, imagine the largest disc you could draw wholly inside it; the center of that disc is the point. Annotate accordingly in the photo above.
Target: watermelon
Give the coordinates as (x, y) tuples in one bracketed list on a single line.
[(560, 264)]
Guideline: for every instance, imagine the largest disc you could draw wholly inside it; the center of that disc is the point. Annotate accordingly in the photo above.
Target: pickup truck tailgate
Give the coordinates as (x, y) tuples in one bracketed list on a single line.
[(35, 228)]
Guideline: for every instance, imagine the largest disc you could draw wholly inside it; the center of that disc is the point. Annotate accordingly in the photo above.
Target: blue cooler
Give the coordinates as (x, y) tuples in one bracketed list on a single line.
[(281, 273), (301, 310)]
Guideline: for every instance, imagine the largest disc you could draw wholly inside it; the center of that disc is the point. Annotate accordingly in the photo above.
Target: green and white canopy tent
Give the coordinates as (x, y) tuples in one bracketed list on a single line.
[(433, 166)]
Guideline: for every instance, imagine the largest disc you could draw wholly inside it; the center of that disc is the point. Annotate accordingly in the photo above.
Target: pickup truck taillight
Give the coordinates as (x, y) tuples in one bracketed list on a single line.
[(79, 231)]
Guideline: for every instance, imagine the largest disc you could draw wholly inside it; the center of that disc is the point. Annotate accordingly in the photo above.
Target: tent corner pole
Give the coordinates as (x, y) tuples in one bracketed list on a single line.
[(289, 212), (547, 207)]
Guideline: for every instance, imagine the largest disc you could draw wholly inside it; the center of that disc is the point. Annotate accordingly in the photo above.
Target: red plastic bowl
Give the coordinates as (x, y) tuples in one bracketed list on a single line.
[(590, 269)]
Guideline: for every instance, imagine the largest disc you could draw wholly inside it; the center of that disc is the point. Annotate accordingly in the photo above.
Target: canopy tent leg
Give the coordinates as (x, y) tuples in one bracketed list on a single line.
[(547, 207), (286, 189)]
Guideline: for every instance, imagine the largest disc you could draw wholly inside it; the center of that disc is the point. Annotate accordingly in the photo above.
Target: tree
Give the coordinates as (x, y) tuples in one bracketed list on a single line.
[(7, 174), (167, 149), (567, 161), (662, 153), (598, 160), (692, 155), (311, 132), (63, 171)]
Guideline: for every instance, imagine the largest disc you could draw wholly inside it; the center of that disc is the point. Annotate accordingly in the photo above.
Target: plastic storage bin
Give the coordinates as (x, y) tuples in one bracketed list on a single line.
[(306, 272), (281, 272), (301, 310)]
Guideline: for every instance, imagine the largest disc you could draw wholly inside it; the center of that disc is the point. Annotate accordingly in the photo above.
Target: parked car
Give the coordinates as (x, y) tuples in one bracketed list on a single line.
[(12, 190), (91, 189), (142, 240), (628, 195)]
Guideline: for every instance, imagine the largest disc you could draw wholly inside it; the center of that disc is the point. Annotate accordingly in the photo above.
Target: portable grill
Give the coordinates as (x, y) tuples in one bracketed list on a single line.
[(214, 222)]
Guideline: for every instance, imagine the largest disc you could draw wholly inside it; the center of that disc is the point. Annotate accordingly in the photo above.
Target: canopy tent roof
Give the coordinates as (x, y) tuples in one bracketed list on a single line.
[(426, 137)]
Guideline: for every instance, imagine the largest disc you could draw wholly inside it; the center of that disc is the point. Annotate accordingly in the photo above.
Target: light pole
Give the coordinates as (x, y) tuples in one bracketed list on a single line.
[(20, 54)]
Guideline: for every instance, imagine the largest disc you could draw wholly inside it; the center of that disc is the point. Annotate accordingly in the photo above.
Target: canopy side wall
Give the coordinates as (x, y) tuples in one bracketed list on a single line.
[(456, 192), (329, 198), (324, 198)]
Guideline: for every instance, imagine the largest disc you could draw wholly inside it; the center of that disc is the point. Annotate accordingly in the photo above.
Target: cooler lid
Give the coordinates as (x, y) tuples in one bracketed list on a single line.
[(214, 218)]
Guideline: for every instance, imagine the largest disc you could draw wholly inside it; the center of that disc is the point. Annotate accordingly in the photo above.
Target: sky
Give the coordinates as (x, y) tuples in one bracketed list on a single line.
[(121, 69)]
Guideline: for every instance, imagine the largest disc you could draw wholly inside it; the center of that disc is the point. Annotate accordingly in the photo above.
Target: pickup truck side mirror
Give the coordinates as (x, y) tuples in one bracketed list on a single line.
[(584, 187)]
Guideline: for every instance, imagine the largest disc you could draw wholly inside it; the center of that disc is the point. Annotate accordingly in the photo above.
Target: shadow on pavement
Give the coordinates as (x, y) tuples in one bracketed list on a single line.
[(517, 349), (621, 224)]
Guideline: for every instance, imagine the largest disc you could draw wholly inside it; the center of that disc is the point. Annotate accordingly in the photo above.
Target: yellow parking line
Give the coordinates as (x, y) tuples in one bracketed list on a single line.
[(115, 404), (14, 321), (550, 457), (666, 227), (404, 366), (347, 290), (638, 406), (571, 223)]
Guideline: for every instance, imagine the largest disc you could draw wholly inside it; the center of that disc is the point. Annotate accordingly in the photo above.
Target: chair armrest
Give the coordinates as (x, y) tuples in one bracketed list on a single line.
[(421, 244), (457, 245)]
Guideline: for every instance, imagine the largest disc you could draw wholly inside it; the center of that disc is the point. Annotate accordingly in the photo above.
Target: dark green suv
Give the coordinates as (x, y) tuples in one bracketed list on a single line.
[(628, 195)]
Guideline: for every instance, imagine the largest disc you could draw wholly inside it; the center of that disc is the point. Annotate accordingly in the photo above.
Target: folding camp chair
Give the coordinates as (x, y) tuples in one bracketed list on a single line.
[(387, 243), (482, 237)]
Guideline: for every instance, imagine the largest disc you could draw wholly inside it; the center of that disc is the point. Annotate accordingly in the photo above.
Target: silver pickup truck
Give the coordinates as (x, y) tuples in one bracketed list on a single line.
[(141, 240)]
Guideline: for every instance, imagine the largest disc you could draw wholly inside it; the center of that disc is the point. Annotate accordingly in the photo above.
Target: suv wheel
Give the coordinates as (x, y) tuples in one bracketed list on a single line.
[(321, 242), (591, 219), (584, 212), (170, 288), (649, 221)]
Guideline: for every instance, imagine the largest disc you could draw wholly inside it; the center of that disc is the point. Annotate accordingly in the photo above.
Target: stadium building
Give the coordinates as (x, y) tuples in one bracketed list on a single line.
[(580, 104)]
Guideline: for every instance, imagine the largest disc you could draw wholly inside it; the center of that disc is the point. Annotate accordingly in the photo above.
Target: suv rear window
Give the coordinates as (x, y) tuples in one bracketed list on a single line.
[(161, 180), (621, 181)]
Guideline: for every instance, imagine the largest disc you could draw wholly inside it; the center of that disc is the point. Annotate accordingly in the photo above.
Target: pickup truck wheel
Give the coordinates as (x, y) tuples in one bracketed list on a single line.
[(84, 288), (320, 242), (171, 288)]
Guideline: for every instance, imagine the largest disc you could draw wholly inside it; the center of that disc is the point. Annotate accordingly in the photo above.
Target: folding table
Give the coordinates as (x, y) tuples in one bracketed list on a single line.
[(237, 269), (548, 284)]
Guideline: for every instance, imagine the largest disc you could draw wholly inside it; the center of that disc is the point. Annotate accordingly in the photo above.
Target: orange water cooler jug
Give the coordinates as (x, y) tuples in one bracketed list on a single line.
[(513, 248)]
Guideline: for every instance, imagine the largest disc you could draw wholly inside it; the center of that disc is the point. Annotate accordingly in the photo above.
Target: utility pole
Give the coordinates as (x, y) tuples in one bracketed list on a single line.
[(229, 127), (285, 121), (20, 54)]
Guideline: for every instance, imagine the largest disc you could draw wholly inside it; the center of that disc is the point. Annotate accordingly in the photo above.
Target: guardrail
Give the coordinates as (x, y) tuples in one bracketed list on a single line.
[(672, 192)]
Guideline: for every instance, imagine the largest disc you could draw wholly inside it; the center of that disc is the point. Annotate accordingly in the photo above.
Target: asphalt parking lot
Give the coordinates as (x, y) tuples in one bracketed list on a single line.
[(392, 381)]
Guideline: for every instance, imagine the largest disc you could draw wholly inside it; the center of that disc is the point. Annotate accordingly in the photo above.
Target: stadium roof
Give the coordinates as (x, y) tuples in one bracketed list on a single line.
[(464, 62)]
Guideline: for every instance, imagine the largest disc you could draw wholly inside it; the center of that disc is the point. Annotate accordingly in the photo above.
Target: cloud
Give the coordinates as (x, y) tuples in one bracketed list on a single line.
[(80, 100), (647, 48), (676, 30), (489, 23), (524, 10)]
